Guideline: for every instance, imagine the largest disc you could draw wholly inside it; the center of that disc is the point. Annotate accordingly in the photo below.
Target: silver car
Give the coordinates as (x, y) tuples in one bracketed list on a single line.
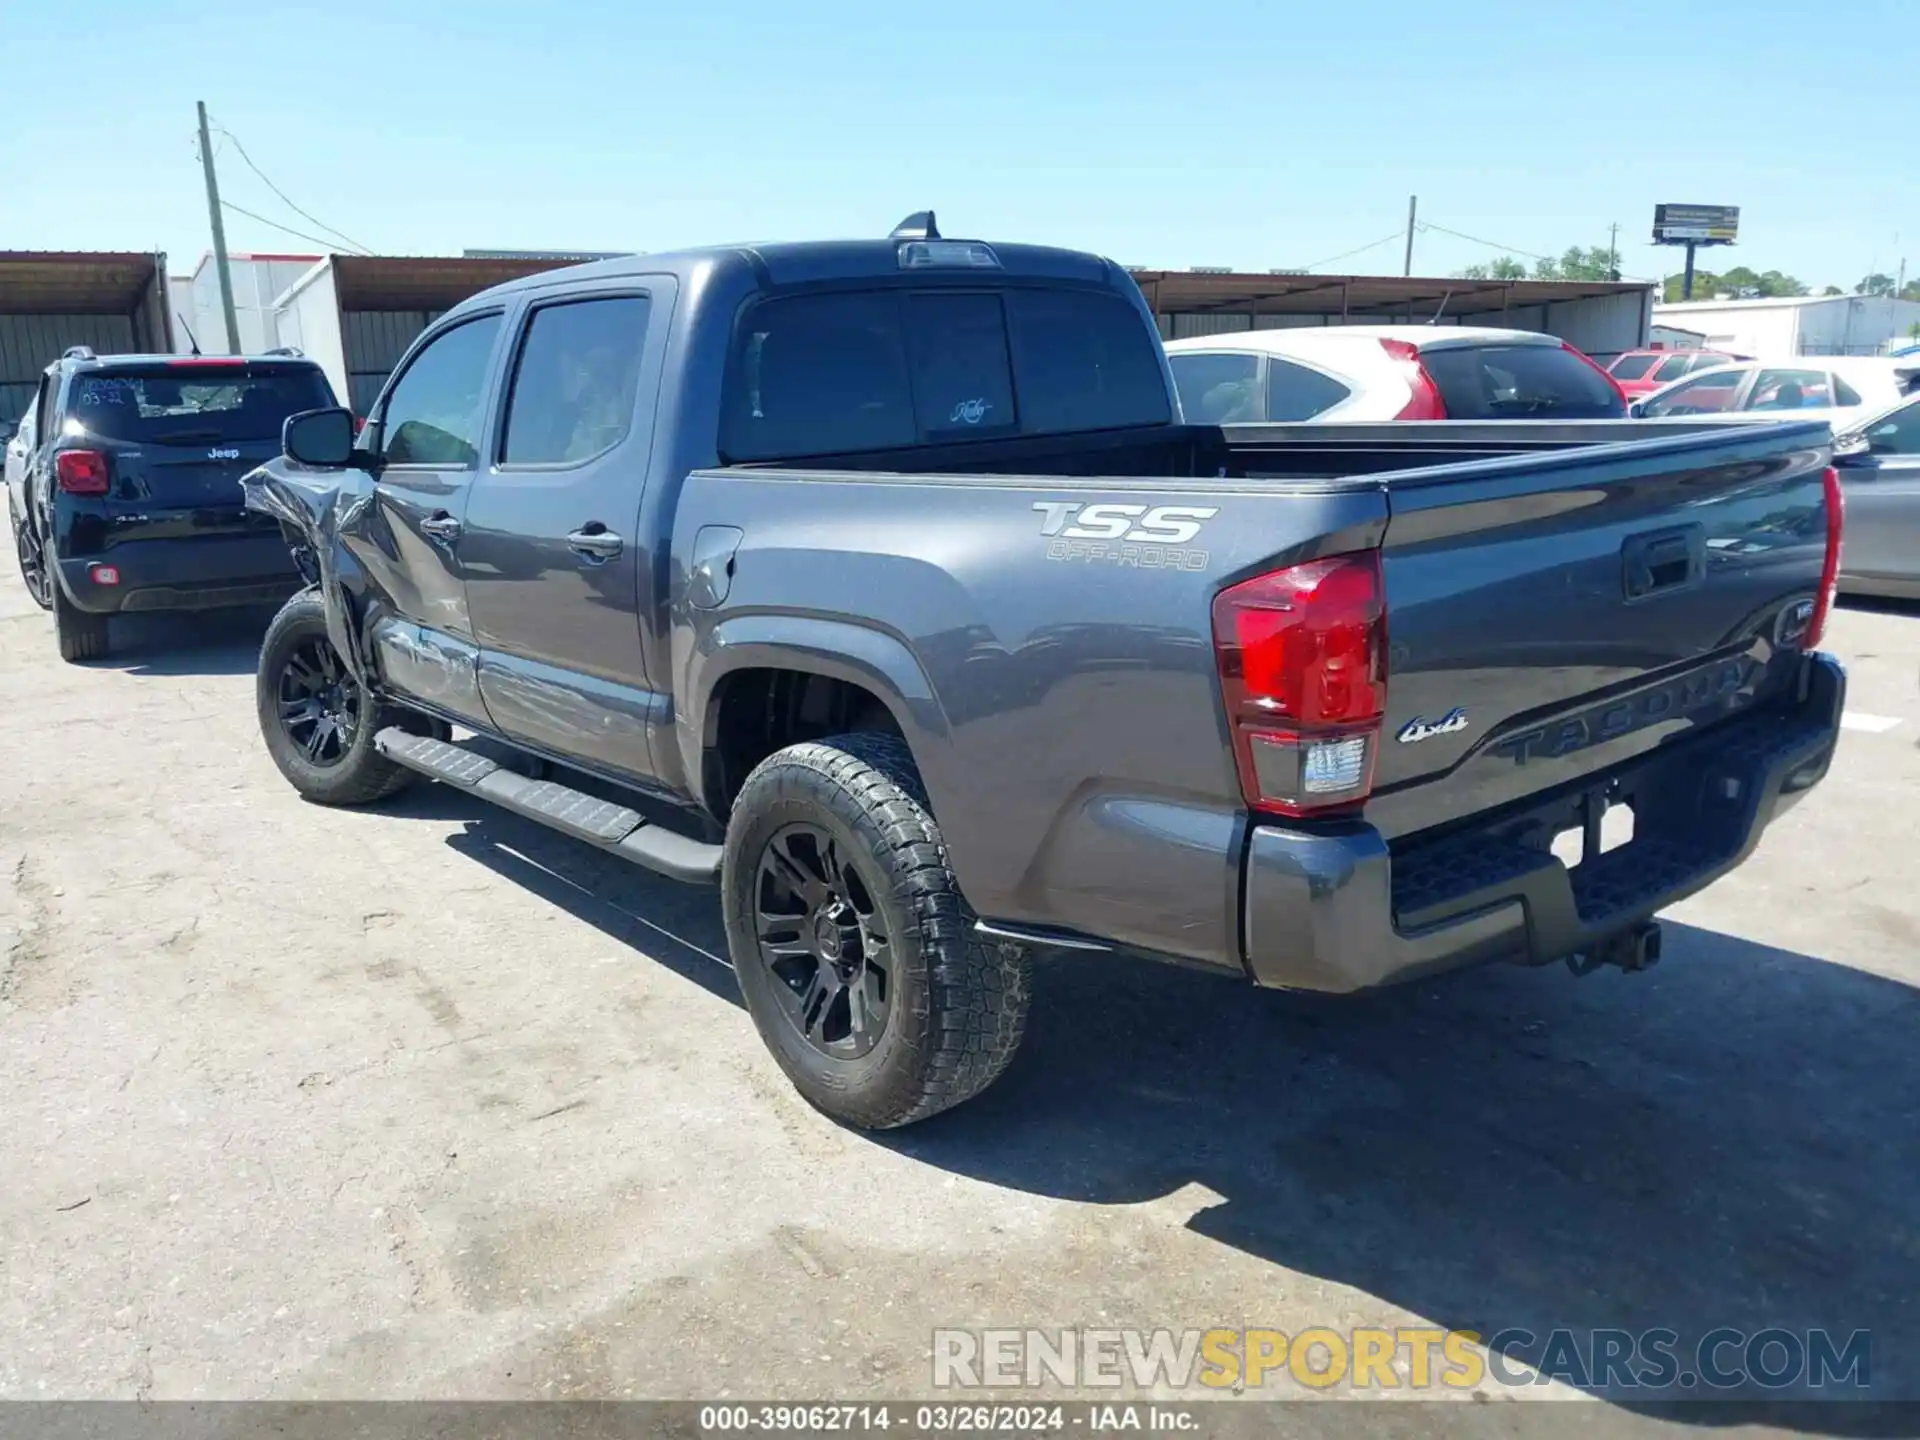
[(1879, 465)]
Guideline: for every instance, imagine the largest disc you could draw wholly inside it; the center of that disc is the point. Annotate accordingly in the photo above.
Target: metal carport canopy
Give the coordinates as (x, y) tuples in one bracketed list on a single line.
[(74, 282), (1355, 297), (426, 282)]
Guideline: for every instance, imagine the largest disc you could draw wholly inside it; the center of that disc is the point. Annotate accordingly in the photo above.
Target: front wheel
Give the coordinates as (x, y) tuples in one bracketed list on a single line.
[(318, 721), (855, 951)]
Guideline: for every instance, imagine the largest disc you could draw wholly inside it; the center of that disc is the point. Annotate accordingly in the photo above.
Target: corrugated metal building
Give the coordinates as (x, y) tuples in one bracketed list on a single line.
[(258, 280), (1597, 316), (49, 300), (1798, 324)]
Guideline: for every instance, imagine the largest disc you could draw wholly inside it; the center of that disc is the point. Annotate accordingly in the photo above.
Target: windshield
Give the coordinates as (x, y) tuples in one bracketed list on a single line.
[(1508, 382), (194, 406)]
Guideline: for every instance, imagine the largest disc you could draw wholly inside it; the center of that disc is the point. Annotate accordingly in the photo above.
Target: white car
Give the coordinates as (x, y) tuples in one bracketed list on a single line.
[(1840, 389), (19, 447), (1360, 374)]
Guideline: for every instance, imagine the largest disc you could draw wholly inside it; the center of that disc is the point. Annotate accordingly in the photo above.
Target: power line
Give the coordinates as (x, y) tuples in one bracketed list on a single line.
[(285, 229), (1357, 250), (1511, 249), (305, 215)]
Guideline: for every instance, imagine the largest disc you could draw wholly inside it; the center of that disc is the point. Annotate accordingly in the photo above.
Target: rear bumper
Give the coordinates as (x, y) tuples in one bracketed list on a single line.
[(1341, 909), (184, 574)]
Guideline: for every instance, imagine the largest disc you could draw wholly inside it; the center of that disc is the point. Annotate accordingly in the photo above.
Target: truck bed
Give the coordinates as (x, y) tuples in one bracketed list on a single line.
[(1062, 693)]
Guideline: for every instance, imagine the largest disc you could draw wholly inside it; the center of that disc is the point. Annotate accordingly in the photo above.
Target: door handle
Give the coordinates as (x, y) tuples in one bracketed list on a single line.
[(594, 541), (442, 528)]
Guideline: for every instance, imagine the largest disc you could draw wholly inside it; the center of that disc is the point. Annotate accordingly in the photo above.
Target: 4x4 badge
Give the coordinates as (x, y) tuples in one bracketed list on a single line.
[(1420, 728)]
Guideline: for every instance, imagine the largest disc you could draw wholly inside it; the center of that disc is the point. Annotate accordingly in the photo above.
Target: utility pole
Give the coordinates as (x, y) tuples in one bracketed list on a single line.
[(1413, 209), (1686, 281), (219, 235), (1613, 251)]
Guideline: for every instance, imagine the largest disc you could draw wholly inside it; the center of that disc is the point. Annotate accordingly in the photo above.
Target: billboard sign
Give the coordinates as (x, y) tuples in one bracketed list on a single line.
[(1699, 224)]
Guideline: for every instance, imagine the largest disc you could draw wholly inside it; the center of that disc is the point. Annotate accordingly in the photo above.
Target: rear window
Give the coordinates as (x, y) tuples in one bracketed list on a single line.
[(1632, 367), (189, 405), (834, 373), (1507, 382), (1673, 368), (1217, 389)]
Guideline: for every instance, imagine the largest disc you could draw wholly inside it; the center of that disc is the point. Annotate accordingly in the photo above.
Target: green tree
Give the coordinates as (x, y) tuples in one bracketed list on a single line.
[(1875, 284), (1911, 290), (1833, 290), (1739, 283), (1505, 268)]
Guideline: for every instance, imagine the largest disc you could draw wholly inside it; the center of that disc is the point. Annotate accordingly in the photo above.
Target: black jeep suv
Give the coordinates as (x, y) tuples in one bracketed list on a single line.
[(132, 496)]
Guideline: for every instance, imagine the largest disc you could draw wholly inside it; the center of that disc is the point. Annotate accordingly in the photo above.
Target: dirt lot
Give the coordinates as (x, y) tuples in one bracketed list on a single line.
[(425, 1101)]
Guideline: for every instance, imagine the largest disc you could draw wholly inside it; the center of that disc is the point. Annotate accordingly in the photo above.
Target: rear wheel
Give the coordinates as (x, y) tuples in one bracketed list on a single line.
[(318, 721), (854, 949), (81, 634), (33, 570)]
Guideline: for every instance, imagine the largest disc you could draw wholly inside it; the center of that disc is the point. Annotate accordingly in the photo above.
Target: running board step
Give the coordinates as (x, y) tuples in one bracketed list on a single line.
[(613, 828)]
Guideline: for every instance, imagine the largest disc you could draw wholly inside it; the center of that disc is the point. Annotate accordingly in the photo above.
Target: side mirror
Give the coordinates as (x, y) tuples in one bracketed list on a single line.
[(1850, 445), (320, 438)]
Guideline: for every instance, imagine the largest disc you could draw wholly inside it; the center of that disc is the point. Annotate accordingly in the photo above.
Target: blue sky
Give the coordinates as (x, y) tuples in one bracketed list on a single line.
[(1233, 133)]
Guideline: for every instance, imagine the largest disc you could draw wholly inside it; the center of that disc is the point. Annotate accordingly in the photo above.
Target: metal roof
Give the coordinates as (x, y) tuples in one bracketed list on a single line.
[(427, 282), (1186, 292), (74, 282)]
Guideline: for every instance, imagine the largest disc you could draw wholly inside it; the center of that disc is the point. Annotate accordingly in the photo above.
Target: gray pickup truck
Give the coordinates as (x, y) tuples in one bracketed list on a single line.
[(881, 583)]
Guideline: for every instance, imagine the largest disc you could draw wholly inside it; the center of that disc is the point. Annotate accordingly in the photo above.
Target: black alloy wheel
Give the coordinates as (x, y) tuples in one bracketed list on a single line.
[(32, 569), (319, 702), (823, 939)]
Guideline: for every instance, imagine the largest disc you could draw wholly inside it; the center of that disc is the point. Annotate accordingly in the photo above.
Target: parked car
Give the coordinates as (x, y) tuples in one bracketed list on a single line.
[(1879, 464), (878, 582), (1641, 372), (19, 445), (130, 499), (1838, 389), (1357, 373)]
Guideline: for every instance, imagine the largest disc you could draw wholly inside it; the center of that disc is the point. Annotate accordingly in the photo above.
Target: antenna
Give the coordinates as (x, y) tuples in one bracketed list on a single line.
[(917, 226), (1443, 307), (183, 325)]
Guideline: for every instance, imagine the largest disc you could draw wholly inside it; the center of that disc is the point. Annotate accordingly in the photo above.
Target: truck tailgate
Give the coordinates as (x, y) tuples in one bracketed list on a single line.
[(1550, 616)]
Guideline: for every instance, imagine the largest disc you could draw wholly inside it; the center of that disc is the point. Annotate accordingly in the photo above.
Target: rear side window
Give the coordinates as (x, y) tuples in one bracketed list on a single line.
[(1707, 362), (193, 405), (1845, 394), (575, 381), (1632, 367), (1789, 390), (836, 373), (1299, 392), (1218, 389), (1672, 368), (1508, 382)]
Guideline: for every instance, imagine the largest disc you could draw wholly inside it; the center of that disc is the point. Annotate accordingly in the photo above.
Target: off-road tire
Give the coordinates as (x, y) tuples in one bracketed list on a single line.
[(80, 634), (959, 1001), (362, 774)]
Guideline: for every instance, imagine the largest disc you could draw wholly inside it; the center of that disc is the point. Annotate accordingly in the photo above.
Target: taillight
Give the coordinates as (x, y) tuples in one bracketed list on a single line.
[(81, 472), (1602, 372), (1425, 402), (206, 362), (1830, 568), (1303, 669)]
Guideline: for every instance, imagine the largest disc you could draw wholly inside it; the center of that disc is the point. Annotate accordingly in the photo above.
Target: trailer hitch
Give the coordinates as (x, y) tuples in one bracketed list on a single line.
[(1637, 948)]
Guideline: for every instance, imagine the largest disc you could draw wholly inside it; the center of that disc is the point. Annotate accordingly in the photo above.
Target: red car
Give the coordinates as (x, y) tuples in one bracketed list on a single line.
[(1641, 372)]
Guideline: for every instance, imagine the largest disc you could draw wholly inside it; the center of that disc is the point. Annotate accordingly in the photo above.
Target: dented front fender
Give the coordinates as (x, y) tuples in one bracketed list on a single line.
[(321, 510)]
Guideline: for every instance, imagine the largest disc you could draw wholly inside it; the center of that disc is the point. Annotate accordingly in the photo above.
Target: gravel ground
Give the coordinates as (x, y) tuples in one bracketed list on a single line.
[(424, 1101)]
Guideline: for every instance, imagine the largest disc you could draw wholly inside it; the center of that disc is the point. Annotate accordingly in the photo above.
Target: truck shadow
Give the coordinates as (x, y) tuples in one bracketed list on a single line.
[(209, 642), (1728, 1141)]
